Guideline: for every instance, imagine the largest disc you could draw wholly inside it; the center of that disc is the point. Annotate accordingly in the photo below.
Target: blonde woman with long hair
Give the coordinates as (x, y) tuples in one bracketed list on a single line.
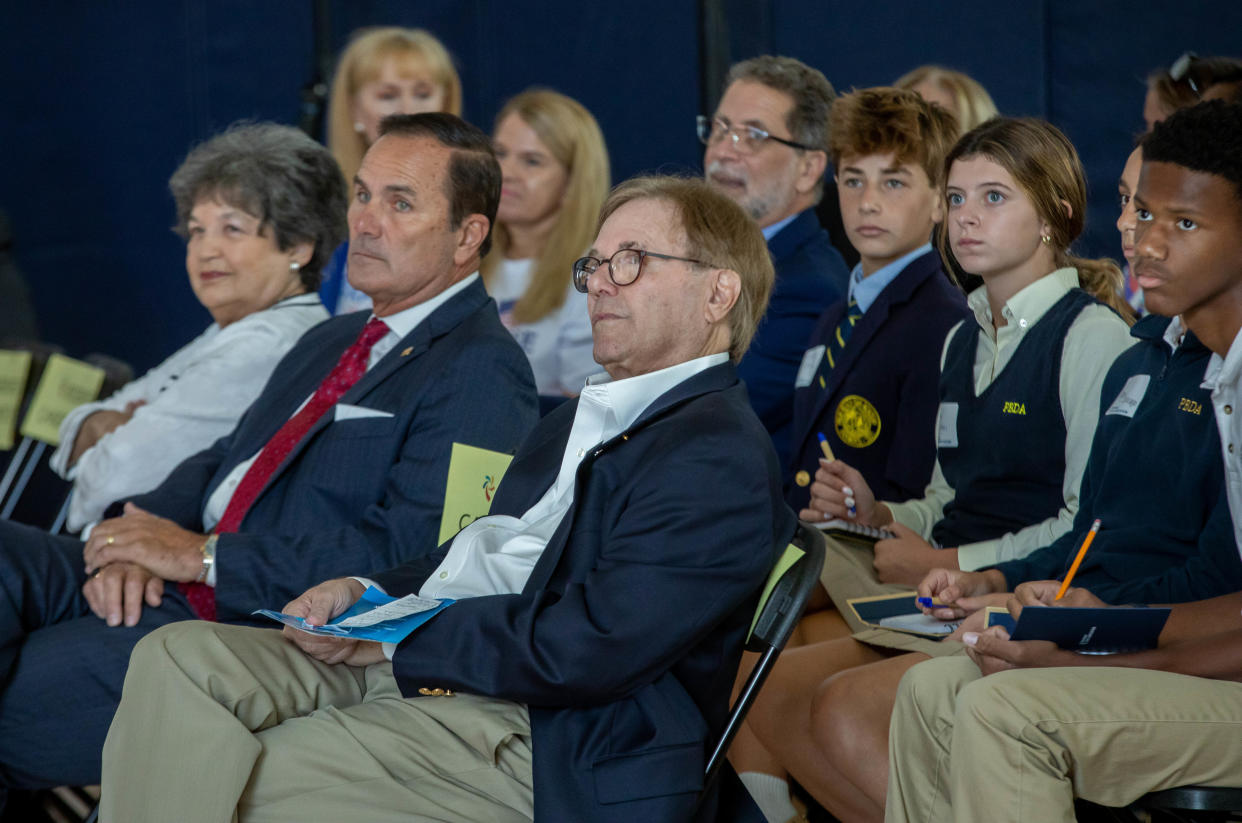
[(555, 169)]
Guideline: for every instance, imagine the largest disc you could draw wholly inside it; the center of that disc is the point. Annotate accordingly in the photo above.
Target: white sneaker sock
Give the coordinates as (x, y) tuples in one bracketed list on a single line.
[(771, 795)]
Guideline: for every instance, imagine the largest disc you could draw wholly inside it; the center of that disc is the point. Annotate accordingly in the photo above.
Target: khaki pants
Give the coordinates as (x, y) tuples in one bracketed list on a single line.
[(224, 723), (1020, 745), (848, 573)]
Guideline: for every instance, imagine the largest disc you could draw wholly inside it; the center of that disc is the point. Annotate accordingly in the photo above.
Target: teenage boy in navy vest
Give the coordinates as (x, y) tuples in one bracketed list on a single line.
[(868, 380), (1179, 729)]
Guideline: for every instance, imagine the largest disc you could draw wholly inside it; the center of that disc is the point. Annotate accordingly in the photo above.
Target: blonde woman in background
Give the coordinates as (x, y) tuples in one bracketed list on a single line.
[(555, 171), (383, 71), (955, 91)]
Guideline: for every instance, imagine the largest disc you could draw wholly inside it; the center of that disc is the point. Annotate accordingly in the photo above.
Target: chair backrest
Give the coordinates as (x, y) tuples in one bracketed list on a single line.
[(784, 598), (1192, 798), (116, 372)]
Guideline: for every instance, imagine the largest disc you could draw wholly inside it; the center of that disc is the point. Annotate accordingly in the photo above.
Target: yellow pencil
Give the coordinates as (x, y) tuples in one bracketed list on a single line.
[(1086, 543)]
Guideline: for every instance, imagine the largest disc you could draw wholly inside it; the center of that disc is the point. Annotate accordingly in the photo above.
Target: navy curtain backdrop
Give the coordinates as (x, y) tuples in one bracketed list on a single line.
[(99, 101)]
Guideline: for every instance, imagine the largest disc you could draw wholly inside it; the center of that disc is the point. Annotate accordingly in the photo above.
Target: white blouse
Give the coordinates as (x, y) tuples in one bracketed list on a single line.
[(190, 400), (559, 346)]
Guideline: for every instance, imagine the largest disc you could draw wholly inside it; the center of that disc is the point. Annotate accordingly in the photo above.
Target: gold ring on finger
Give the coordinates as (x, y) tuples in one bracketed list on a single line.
[(110, 540)]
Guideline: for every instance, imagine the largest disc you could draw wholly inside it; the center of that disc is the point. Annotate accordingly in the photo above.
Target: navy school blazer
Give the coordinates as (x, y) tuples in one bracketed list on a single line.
[(625, 641), (365, 493), (810, 276), (888, 375)]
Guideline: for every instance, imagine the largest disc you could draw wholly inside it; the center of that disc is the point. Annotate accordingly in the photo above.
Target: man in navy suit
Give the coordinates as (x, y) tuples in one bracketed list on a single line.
[(291, 496), (599, 611), (767, 150)]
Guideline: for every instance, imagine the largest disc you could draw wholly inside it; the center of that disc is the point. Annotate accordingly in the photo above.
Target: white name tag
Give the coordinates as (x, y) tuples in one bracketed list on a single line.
[(1131, 395), (810, 364), (946, 426)]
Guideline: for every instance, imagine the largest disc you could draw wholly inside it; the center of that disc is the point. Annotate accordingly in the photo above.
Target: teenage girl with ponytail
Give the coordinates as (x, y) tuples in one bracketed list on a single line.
[(1019, 388), (1019, 400)]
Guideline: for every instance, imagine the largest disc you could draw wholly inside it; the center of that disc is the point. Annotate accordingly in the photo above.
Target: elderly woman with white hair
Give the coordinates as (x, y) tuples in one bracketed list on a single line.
[(261, 207)]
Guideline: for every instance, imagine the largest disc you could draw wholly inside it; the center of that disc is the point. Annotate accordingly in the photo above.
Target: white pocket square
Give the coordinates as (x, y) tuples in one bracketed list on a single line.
[(344, 411)]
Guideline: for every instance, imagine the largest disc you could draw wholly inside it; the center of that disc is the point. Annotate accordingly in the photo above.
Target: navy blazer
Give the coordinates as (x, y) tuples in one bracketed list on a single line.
[(625, 641), (810, 276), (891, 365), (357, 495)]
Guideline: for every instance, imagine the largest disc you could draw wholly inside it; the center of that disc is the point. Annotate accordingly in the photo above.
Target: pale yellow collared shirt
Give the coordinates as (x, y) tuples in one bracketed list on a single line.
[(1093, 342)]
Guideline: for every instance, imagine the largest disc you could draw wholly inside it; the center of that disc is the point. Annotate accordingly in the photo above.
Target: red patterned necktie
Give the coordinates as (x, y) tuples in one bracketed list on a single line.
[(349, 369)]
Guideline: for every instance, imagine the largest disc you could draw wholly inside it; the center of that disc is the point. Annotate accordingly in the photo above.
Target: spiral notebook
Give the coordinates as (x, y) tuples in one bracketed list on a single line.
[(857, 532)]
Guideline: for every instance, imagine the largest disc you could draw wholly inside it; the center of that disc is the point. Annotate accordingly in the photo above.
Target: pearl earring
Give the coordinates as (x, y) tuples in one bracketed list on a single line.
[(294, 266), (359, 127)]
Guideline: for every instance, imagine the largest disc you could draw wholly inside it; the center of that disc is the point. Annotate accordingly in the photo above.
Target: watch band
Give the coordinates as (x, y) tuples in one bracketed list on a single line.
[(208, 550)]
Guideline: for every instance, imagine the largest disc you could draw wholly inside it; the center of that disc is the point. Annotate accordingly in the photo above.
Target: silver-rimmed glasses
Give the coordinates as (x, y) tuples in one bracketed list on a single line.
[(1180, 70), (747, 139)]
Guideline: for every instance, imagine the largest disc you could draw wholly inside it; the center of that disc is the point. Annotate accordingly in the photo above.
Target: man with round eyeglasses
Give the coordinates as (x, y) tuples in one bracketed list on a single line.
[(599, 609), (767, 151)]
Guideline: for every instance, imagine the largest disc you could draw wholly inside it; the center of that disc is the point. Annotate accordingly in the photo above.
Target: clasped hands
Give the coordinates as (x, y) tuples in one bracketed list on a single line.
[(905, 559), (128, 559)]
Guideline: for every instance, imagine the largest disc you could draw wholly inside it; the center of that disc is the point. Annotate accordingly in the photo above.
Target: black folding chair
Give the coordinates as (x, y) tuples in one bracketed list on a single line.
[(1192, 804), (784, 599), (1184, 804), (36, 495)]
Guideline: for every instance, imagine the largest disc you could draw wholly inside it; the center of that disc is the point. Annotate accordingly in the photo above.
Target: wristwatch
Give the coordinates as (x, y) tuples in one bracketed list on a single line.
[(209, 557)]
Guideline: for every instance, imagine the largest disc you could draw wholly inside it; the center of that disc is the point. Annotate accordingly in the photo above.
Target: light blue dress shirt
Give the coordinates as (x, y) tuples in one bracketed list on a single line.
[(864, 290)]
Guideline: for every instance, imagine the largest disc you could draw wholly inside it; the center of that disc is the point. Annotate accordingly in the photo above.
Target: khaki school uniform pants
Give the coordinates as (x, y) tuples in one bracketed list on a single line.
[(849, 572), (1020, 745), (225, 723)]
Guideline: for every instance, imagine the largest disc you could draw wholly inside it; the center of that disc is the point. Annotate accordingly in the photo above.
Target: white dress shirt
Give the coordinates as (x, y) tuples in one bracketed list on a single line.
[(190, 400), (399, 325), (1222, 378), (495, 554), (1093, 341), (559, 345)]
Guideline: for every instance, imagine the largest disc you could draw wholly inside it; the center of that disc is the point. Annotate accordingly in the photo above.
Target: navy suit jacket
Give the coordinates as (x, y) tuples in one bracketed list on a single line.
[(362, 494), (810, 276), (892, 361), (625, 641)]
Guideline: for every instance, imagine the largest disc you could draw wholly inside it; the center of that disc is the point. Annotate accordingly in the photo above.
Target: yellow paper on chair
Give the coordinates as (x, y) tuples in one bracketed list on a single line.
[(14, 369), (791, 555), (65, 385), (473, 476)]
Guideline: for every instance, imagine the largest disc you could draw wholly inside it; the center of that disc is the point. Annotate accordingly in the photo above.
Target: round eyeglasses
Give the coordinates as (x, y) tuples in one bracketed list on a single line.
[(623, 267), (746, 139)]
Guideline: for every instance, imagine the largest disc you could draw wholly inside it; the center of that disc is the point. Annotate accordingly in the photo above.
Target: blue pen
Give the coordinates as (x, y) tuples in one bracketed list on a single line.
[(925, 602)]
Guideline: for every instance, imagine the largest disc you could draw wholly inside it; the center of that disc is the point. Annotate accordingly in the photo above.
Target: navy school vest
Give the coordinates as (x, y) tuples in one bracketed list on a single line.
[(1004, 455)]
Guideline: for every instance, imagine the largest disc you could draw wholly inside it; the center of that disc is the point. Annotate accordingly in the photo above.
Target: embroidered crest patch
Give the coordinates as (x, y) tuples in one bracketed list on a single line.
[(857, 421)]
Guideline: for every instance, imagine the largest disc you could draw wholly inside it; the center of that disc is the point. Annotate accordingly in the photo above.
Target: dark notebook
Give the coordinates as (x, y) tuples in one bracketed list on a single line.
[(1091, 631)]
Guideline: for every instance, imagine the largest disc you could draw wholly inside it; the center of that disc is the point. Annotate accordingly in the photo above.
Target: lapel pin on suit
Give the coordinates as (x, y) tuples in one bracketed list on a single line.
[(406, 351)]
